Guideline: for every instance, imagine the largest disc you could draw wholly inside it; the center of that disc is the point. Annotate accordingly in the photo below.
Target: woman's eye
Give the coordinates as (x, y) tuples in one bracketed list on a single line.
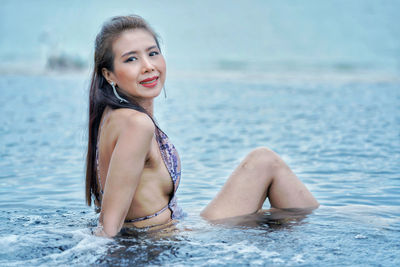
[(154, 53), (131, 59)]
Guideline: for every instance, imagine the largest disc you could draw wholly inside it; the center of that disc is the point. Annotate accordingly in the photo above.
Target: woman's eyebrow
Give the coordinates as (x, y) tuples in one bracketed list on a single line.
[(134, 52), (152, 47), (129, 53)]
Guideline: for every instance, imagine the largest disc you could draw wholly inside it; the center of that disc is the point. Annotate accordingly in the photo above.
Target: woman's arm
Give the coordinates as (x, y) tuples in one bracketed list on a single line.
[(133, 143)]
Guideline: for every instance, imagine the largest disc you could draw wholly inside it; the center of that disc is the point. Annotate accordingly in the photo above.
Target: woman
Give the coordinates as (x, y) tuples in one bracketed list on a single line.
[(133, 171)]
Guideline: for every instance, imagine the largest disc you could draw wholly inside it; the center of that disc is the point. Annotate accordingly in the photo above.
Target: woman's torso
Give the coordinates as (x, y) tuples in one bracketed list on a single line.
[(154, 199)]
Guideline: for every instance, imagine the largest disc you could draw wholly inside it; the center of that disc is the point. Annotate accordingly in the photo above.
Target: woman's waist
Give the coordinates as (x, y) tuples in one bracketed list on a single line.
[(169, 211), (157, 217)]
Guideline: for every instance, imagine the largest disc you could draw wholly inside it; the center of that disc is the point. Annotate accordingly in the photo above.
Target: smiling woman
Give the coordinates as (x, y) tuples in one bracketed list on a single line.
[(133, 170), (138, 67), (126, 150)]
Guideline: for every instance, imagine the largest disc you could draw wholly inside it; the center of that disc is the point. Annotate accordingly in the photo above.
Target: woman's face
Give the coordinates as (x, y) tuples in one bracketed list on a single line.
[(139, 66)]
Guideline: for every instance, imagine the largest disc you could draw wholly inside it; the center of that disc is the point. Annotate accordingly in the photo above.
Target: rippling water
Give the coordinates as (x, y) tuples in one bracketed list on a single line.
[(341, 138)]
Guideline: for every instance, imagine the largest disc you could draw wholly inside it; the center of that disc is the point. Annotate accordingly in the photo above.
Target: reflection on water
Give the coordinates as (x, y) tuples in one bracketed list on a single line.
[(156, 246), (341, 139), (194, 243), (273, 219), (142, 246)]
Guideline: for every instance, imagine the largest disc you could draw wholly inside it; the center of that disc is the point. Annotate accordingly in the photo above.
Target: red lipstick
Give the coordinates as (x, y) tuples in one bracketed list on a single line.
[(150, 82)]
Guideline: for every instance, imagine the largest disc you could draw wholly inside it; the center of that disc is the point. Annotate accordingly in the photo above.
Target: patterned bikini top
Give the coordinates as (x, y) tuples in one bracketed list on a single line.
[(171, 160)]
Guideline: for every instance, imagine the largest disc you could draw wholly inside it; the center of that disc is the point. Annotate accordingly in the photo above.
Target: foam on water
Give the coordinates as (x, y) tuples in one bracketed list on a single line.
[(83, 248)]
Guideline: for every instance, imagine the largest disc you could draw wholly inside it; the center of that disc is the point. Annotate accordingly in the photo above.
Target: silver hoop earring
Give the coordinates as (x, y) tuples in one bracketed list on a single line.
[(121, 100), (165, 92)]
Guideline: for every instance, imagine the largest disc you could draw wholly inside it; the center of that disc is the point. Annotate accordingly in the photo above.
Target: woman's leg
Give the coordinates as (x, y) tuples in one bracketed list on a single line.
[(260, 175)]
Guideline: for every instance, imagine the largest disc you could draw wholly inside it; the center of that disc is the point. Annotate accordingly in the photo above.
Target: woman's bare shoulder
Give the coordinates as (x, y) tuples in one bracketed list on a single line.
[(128, 120)]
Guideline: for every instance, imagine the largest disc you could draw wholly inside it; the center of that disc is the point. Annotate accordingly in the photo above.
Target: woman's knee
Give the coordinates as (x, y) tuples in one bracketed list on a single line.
[(263, 158)]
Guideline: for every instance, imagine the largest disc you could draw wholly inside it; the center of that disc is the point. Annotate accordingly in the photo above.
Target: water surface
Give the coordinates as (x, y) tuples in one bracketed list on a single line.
[(340, 138)]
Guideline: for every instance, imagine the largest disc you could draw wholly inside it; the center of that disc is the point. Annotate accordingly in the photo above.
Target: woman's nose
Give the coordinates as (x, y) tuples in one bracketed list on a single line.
[(147, 65)]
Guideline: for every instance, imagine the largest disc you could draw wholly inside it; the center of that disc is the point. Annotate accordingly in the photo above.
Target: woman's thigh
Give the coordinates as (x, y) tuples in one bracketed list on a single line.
[(245, 190), (260, 175)]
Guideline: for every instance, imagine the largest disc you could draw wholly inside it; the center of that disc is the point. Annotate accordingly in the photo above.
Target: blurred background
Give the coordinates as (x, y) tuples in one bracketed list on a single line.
[(209, 37)]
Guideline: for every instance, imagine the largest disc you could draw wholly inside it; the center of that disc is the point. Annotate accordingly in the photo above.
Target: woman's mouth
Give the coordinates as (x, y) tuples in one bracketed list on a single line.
[(149, 82)]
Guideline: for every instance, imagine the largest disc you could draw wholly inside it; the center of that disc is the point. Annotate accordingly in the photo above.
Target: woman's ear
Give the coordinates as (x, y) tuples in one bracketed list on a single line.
[(108, 75)]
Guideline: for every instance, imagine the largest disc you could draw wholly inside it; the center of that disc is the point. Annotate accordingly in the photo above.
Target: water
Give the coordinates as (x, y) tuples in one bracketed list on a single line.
[(341, 138)]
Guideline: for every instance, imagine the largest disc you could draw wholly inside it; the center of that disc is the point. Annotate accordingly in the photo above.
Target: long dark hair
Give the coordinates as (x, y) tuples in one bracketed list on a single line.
[(101, 93)]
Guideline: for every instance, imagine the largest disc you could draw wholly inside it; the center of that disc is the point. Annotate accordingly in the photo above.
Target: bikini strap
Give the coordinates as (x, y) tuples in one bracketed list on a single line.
[(97, 153), (148, 216)]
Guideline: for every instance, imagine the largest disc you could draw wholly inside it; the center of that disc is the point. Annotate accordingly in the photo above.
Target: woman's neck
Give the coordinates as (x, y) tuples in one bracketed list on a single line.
[(148, 106)]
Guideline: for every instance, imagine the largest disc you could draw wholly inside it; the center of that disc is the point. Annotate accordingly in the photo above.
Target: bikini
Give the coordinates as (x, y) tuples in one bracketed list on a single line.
[(171, 160)]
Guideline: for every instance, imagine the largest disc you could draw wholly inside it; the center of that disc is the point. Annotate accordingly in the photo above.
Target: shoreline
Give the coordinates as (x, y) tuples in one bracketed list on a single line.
[(241, 76)]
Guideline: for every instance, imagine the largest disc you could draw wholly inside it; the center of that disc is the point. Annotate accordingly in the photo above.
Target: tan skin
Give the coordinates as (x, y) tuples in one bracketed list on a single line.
[(135, 180)]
